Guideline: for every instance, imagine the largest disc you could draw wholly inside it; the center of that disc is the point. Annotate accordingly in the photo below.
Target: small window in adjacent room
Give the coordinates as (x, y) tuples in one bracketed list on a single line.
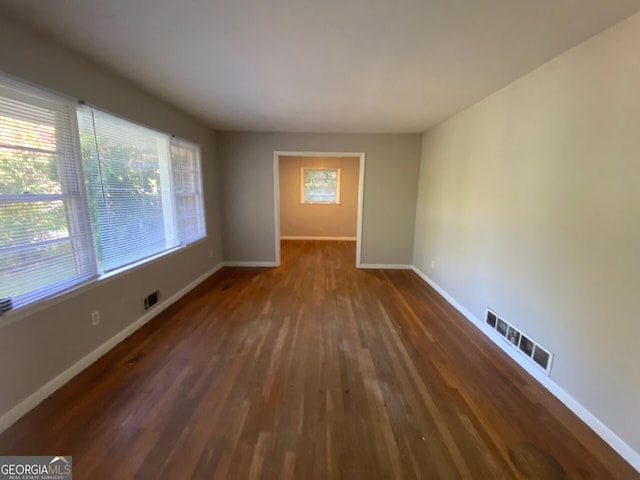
[(320, 185)]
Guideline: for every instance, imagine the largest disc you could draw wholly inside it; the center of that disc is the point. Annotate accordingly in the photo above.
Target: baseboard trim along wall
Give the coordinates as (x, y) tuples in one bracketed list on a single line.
[(344, 239), (33, 400), (385, 266), (619, 445), (250, 264)]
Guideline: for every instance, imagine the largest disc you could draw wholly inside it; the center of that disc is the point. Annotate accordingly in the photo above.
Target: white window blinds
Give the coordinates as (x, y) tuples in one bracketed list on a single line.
[(45, 243), (144, 189), (84, 193), (129, 199)]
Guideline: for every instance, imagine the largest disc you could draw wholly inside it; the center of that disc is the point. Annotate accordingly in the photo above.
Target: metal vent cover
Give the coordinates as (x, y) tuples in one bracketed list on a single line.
[(532, 350)]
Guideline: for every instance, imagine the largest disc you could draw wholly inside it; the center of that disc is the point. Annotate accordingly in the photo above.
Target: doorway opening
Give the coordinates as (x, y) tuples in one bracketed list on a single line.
[(315, 197)]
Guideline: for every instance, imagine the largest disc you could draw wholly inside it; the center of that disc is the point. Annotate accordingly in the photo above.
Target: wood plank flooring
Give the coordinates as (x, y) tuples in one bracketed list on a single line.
[(313, 370)]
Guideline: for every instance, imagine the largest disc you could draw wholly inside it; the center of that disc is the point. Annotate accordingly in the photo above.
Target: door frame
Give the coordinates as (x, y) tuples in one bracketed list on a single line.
[(276, 189)]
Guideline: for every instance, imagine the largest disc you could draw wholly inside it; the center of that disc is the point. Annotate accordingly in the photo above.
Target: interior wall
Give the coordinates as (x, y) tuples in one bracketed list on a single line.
[(37, 347), (247, 188), (529, 204), (318, 220)]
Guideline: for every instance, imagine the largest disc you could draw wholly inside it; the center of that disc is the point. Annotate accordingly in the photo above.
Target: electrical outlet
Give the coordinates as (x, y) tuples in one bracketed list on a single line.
[(211, 253), (433, 264), (95, 318)]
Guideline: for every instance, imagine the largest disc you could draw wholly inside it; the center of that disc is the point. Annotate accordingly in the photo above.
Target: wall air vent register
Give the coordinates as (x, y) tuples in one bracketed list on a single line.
[(540, 356)]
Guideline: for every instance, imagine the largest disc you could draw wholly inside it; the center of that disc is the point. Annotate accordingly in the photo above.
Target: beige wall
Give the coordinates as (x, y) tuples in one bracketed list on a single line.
[(307, 220), (38, 347), (529, 203), (247, 187)]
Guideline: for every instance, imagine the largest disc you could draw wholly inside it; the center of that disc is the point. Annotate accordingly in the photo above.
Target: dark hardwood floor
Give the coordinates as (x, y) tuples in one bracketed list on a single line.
[(312, 370)]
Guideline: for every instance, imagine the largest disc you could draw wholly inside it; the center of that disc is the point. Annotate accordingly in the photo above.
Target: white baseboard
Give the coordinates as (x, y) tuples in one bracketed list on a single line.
[(344, 239), (250, 264), (385, 266), (619, 445), (33, 400)]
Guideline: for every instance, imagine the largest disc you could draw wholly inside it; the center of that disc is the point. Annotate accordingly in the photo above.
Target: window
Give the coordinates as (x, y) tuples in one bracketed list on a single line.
[(187, 181), (45, 243), (320, 185), (143, 188), (84, 193)]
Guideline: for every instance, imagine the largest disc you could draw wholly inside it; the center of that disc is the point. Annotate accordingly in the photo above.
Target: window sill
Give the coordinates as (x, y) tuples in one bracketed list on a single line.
[(12, 316), (148, 260)]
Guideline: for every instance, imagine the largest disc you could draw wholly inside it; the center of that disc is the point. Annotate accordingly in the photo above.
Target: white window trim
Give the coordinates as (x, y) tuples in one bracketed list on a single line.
[(304, 201)]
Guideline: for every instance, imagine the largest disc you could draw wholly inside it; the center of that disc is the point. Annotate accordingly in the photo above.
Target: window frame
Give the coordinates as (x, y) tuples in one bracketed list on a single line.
[(303, 199)]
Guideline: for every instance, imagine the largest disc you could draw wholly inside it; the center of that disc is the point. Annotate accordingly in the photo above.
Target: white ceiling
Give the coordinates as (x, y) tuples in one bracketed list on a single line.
[(322, 65)]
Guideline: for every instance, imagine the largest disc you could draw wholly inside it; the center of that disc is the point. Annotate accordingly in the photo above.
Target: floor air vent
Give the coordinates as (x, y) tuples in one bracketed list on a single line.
[(151, 299), (523, 343)]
